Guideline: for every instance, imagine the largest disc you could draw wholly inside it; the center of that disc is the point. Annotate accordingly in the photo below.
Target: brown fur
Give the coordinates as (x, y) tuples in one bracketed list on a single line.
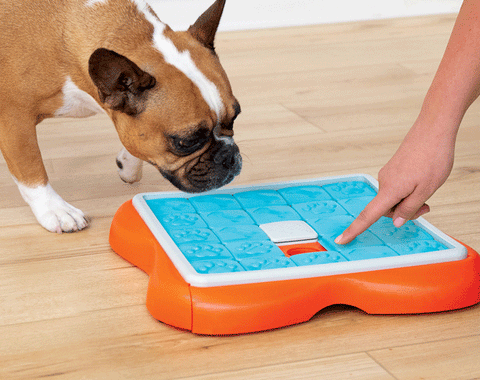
[(44, 42)]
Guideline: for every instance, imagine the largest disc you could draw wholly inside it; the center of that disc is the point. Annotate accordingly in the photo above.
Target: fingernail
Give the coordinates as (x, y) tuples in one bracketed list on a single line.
[(399, 222), (338, 239)]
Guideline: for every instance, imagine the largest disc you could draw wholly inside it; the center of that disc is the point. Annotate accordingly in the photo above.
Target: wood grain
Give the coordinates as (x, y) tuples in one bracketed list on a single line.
[(317, 101)]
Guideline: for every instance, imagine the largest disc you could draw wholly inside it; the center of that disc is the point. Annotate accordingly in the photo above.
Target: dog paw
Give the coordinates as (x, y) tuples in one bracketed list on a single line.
[(62, 217), (129, 167), (51, 211)]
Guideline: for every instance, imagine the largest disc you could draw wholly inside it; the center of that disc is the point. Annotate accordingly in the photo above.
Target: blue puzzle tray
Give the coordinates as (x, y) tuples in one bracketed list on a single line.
[(229, 236), (251, 258)]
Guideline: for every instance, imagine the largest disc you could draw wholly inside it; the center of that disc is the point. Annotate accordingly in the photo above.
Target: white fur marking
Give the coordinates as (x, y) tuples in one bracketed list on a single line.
[(227, 140), (183, 62), (91, 3), (51, 211), (77, 103), (132, 167)]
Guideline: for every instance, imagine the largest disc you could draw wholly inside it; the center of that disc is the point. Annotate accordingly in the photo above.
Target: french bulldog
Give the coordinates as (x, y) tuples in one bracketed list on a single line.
[(166, 92)]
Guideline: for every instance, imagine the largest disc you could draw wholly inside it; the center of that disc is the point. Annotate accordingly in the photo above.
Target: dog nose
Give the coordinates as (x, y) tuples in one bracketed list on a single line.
[(227, 156), (228, 162)]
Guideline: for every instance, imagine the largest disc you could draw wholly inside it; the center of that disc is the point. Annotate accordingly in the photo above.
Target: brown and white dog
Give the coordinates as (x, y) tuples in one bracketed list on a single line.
[(166, 93)]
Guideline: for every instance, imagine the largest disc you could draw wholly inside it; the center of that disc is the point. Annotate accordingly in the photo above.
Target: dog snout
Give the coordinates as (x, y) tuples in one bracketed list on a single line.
[(228, 157), (217, 167)]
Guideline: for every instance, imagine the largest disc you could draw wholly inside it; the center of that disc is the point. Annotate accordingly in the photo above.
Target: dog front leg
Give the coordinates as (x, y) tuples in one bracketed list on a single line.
[(129, 167), (20, 148)]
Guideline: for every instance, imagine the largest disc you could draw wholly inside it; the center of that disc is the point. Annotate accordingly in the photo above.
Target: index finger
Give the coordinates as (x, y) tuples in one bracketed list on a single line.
[(378, 207)]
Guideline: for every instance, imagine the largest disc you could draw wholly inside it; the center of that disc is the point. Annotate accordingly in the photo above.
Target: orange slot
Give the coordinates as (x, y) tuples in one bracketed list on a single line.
[(298, 249)]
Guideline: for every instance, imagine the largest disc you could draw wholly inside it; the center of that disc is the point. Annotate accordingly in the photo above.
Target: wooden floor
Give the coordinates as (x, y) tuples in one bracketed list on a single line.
[(317, 101)]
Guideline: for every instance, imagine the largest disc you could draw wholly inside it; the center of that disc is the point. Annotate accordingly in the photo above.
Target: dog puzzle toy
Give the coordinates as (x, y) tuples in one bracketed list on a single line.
[(245, 259)]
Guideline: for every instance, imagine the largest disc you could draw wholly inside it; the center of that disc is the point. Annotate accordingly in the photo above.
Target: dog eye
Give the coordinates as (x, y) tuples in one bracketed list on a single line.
[(189, 146), (186, 144)]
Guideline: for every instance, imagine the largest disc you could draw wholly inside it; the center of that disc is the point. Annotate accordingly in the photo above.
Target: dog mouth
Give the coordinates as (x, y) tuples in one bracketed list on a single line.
[(210, 171)]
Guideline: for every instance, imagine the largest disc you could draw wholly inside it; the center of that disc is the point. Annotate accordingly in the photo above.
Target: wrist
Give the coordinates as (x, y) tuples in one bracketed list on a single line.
[(441, 110), (440, 118)]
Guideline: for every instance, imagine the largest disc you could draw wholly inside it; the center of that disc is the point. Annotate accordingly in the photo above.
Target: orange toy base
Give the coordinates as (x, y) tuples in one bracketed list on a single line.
[(238, 309)]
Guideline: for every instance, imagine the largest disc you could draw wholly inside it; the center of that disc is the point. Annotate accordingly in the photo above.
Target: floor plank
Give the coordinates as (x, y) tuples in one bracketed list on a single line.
[(317, 101), (355, 366), (455, 359)]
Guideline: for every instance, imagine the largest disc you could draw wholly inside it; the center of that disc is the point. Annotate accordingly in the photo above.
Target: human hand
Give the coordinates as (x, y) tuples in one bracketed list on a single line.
[(420, 166)]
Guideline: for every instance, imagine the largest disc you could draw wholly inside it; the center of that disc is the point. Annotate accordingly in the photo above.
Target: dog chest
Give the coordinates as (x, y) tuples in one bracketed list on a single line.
[(77, 103)]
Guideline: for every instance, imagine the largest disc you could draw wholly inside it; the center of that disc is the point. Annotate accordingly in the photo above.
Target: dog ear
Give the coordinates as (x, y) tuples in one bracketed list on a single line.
[(119, 81), (205, 28)]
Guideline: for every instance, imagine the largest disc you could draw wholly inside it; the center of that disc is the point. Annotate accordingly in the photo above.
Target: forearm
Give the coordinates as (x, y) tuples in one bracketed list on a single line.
[(457, 81), (424, 160)]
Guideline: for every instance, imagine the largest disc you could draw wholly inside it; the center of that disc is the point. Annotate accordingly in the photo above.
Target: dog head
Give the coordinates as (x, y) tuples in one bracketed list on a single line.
[(171, 102)]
